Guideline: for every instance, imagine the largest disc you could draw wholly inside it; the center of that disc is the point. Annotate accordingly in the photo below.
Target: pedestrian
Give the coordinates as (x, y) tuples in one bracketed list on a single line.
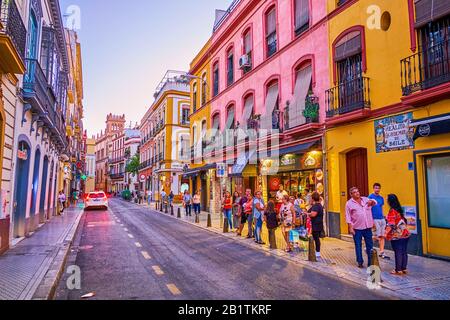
[(358, 213), (397, 232), (379, 219), (187, 203), (287, 214), (62, 201), (197, 203), (149, 197), (258, 216), (227, 206), (281, 193), (248, 210), (244, 217), (171, 197), (163, 197), (272, 221), (316, 216), (236, 212)]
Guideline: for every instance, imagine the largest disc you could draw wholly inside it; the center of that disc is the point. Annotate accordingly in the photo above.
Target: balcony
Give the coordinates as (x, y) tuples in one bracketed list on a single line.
[(426, 69), (302, 122), (119, 175), (347, 97), (13, 38), (39, 98)]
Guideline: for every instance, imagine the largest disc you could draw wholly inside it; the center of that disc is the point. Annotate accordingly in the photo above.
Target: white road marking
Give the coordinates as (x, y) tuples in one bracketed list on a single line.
[(158, 270), (146, 255), (173, 289), (131, 236), (138, 245)]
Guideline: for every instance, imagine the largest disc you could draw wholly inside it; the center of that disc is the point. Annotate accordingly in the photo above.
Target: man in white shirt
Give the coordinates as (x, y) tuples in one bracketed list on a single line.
[(280, 196)]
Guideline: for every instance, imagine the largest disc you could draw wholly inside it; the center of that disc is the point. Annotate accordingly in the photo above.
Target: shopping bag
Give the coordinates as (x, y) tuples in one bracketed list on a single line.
[(294, 236)]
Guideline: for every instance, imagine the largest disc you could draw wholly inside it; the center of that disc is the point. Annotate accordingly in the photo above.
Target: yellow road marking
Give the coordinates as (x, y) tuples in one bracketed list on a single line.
[(138, 245), (146, 255), (131, 236), (173, 289), (158, 270)]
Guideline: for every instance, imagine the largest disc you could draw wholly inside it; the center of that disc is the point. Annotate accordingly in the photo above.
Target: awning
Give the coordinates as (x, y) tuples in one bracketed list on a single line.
[(300, 148), (242, 161), (431, 126), (196, 171)]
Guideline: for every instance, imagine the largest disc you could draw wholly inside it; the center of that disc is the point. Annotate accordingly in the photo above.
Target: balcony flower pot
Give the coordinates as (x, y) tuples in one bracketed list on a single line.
[(311, 112)]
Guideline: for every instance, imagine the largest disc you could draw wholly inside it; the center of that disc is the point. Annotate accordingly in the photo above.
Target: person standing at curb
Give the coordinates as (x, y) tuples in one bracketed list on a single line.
[(358, 213), (62, 202), (163, 197), (397, 232), (258, 216), (171, 197), (272, 221), (187, 203), (236, 214), (242, 213), (280, 196), (287, 214), (378, 218), (227, 207), (149, 197), (196, 201), (248, 211), (316, 215)]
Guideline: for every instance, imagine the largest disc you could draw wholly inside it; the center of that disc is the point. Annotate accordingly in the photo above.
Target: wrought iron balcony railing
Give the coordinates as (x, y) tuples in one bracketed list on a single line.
[(293, 118), (348, 96), (426, 69), (13, 25)]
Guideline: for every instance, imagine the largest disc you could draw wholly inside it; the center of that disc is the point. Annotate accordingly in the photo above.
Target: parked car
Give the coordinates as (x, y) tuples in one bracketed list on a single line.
[(96, 200)]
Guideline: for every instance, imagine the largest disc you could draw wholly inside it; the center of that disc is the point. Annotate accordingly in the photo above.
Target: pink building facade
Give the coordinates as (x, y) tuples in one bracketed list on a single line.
[(270, 62)]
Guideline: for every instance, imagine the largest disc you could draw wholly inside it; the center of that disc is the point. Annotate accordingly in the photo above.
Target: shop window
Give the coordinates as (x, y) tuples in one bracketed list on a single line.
[(438, 190)]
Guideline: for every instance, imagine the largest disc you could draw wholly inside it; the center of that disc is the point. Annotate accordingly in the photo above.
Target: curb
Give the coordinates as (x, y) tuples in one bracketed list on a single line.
[(323, 269), (48, 285)]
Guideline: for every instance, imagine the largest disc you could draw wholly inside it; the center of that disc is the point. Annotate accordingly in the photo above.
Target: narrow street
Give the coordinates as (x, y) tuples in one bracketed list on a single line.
[(133, 253)]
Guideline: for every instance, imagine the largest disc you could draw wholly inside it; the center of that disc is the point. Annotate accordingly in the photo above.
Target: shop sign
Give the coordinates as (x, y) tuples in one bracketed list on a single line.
[(411, 217), (221, 170), (290, 162), (394, 133), (312, 160)]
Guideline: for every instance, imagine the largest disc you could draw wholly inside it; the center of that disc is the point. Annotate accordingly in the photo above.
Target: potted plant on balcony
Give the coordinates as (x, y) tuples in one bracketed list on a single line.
[(311, 112)]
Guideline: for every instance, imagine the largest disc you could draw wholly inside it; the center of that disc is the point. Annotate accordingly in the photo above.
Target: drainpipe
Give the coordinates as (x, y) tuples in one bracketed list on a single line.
[(325, 182)]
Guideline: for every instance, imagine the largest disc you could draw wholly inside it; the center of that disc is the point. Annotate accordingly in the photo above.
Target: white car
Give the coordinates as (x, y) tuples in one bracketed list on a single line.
[(96, 200)]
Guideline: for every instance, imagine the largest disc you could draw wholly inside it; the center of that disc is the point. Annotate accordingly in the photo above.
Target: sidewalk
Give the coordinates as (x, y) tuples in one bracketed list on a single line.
[(31, 269), (429, 279)]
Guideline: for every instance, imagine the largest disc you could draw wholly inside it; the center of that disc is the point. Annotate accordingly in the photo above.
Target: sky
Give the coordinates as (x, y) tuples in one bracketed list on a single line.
[(127, 46)]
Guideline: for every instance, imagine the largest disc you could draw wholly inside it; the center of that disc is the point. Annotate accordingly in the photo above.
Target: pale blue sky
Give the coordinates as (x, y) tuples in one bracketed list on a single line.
[(128, 45)]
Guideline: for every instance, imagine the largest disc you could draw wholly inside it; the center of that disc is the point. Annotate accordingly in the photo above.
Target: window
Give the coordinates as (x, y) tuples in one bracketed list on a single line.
[(301, 16), (185, 116), (194, 97), (248, 111), (204, 89), (230, 125), (303, 85), (271, 33), (248, 50), (216, 79), (230, 67), (271, 119), (438, 190)]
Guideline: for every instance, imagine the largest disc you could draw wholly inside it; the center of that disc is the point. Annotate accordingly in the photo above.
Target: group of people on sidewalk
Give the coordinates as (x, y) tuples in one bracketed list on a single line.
[(363, 214), (298, 217)]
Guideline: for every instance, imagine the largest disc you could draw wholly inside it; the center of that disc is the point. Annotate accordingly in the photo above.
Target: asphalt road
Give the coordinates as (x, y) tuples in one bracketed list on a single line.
[(132, 253)]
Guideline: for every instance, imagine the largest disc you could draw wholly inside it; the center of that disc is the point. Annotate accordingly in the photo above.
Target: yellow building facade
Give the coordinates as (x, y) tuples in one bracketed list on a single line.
[(199, 120), (387, 110)]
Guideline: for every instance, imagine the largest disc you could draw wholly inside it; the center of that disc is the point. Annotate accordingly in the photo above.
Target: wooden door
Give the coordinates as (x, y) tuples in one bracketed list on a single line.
[(357, 172)]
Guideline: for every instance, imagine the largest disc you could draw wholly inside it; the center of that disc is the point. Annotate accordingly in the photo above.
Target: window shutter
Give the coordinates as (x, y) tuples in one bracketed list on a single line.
[(301, 13), (271, 101), (430, 10), (248, 109), (302, 85), (348, 46), (230, 119), (248, 42), (271, 22)]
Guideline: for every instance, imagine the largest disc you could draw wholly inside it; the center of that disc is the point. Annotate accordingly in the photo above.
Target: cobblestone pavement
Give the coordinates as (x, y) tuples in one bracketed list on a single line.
[(429, 279), (37, 258)]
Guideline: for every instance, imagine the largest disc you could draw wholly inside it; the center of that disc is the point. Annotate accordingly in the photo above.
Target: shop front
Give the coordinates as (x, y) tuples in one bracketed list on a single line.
[(299, 171)]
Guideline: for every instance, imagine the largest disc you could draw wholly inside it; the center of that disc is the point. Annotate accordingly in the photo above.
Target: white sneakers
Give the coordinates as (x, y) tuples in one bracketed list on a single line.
[(318, 255)]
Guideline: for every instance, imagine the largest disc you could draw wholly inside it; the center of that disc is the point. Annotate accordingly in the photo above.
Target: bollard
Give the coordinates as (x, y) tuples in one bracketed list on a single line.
[(225, 225), (272, 240), (197, 218), (179, 213), (209, 223), (375, 262), (312, 250), (171, 210)]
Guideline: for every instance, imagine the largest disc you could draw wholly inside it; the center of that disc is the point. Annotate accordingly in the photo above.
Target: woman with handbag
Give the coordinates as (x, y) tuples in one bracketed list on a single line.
[(316, 216), (397, 232), (287, 214)]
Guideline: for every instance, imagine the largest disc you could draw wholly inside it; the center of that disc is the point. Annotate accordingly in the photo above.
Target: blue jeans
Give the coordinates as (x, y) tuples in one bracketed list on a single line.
[(258, 229), (227, 213), (400, 248), (188, 210), (250, 225), (196, 208), (367, 235)]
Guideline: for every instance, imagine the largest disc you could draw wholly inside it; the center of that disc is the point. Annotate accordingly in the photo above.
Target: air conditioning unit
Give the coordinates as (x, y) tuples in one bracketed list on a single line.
[(245, 62)]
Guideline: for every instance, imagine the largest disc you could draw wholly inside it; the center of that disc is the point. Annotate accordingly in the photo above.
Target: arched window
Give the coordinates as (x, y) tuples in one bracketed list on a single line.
[(194, 97), (204, 89), (301, 16), (247, 51), (230, 66), (216, 79), (231, 123), (303, 85), (248, 111), (271, 32), (271, 116)]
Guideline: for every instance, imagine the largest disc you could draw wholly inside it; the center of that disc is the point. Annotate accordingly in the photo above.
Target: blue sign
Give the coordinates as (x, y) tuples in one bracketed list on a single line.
[(394, 133)]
